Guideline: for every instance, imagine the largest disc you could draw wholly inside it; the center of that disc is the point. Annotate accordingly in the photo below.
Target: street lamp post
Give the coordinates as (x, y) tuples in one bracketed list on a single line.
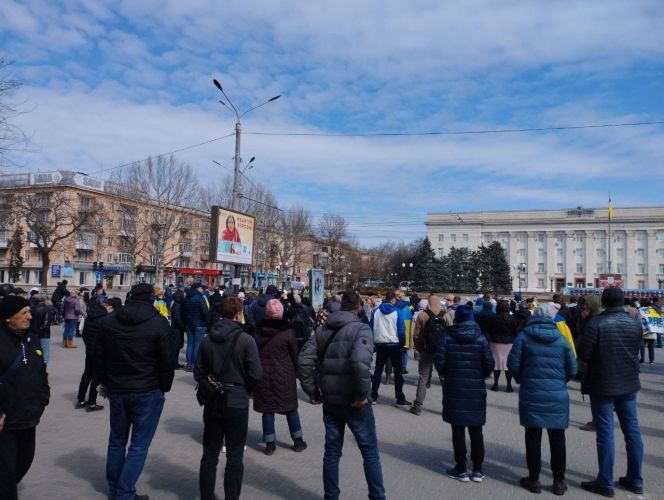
[(237, 174), (551, 281), (519, 269)]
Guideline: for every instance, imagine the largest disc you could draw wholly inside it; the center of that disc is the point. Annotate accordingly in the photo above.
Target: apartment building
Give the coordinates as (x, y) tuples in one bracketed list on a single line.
[(551, 249)]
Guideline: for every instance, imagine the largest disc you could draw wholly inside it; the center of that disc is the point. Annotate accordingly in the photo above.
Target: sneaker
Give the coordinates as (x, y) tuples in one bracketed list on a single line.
[(622, 481), (559, 488), (94, 407), (403, 402), (477, 477), (299, 445), (374, 399), (416, 410), (270, 448), (494, 387), (509, 389), (532, 486), (188, 368), (80, 404), (459, 476), (593, 487)]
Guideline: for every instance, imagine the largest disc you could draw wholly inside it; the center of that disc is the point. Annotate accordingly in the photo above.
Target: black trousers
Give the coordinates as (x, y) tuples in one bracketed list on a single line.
[(382, 355), (476, 447), (87, 380), (229, 426), (534, 452), (651, 350), (177, 339), (17, 449)]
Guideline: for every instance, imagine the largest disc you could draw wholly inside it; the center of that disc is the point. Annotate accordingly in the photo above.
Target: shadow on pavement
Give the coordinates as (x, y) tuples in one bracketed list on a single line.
[(163, 475), (270, 481), (87, 465), (180, 425), (428, 457)]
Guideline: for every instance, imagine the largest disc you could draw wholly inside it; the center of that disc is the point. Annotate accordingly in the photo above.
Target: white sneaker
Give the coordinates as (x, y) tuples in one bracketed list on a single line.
[(223, 448)]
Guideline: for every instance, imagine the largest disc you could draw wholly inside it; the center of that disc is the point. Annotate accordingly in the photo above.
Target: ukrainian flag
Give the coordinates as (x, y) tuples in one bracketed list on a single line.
[(610, 210)]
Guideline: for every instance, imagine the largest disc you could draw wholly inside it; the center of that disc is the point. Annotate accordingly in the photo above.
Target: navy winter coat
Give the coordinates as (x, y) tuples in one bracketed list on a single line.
[(195, 310), (464, 359), (542, 361)]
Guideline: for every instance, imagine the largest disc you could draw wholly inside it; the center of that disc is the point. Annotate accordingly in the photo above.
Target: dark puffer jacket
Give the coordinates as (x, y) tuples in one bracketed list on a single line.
[(610, 347), (542, 361), (345, 374), (24, 396), (502, 328), (276, 392), (135, 352), (195, 310), (92, 328), (464, 359)]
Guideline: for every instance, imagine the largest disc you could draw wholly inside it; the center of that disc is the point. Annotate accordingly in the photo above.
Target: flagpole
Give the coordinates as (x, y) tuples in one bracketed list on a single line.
[(610, 210)]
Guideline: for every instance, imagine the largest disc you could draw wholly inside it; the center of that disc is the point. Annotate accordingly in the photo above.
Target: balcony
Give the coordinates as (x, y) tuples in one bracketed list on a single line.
[(187, 254), (4, 242), (85, 245)]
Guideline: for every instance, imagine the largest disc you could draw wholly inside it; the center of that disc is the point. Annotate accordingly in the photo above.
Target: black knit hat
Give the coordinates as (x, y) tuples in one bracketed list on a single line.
[(143, 292), (10, 305)]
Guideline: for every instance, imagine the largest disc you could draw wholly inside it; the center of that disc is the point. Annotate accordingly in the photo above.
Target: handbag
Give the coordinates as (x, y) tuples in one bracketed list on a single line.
[(206, 392)]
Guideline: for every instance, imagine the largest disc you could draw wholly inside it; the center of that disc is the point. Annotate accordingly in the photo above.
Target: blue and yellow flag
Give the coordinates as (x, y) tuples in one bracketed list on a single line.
[(610, 210)]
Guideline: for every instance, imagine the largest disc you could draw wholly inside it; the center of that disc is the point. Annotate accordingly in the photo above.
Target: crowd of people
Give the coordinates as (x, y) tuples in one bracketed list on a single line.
[(254, 347)]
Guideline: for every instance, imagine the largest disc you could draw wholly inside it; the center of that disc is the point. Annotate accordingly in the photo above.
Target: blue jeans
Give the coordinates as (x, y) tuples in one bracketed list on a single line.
[(363, 426), (194, 337), (70, 329), (625, 407), (45, 348), (293, 418), (139, 414)]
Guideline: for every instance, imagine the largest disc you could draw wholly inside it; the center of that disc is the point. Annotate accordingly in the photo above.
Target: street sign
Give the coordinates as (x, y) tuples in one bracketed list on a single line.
[(99, 276)]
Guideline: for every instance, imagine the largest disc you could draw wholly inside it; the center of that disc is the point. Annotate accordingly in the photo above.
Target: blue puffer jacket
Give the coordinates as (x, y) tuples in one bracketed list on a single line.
[(464, 359), (195, 310), (542, 361)]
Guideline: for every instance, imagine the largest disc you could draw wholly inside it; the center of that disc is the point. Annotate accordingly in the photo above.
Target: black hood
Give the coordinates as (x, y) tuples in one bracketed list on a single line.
[(465, 332), (96, 311), (271, 326), (135, 313), (223, 330)]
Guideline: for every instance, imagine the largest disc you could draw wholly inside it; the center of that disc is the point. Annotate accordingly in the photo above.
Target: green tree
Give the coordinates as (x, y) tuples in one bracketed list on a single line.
[(460, 269), (426, 267), (499, 269), (15, 248)]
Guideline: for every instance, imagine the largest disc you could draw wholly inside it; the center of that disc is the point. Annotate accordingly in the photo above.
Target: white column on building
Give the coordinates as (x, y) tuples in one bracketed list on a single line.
[(651, 259), (630, 260), (550, 258), (590, 257), (531, 284), (570, 265), (513, 260)]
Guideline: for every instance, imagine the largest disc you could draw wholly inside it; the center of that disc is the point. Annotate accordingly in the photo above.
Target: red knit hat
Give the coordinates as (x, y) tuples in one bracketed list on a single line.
[(274, 309)]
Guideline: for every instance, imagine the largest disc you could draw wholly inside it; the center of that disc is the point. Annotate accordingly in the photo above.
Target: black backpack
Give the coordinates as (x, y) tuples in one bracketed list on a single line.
[(433, 331), (302, 326)]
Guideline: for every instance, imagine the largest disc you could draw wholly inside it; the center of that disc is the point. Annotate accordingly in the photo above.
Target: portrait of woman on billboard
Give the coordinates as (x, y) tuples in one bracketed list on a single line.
[(231, 233)]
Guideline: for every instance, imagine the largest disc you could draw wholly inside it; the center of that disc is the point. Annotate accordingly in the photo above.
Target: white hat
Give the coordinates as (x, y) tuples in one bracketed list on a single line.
[(240, 295), (35, 289)]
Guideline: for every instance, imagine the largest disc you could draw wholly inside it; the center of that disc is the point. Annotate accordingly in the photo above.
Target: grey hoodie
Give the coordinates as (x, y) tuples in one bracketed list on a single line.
[(345, 374)]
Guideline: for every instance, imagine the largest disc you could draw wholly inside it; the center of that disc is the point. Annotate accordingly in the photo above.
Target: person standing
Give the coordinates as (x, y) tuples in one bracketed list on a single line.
[(389, 333), (71, 311), (430, 326), (334, 366), (501, 332), (177, 325), (276, 392), (24, 393), (196, 312), (652, 328), (57, 299), (135, 369), (227, 369), (43, 317), (610, 347), (542, 361), (464, 360)]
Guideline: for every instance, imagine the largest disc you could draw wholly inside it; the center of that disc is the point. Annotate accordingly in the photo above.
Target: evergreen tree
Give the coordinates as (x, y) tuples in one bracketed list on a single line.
[(460, 269), (499, 269), (426, 267), (15, 248)]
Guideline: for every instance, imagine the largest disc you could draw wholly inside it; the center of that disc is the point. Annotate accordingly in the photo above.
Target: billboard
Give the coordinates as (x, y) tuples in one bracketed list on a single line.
[(316, 289), (232, 236)]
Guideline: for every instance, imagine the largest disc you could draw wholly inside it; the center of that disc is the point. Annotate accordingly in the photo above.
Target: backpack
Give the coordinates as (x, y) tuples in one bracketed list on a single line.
[(433, 331), (302, 326)]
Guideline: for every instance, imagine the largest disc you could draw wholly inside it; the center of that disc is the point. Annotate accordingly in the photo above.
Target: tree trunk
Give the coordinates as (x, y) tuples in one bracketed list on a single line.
[(46, 263)]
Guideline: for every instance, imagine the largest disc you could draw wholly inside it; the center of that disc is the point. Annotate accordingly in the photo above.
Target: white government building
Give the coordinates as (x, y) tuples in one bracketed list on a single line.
[(551, 249)]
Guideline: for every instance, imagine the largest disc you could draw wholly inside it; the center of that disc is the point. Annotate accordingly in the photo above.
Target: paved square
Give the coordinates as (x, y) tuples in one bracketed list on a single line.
[(71, 446)]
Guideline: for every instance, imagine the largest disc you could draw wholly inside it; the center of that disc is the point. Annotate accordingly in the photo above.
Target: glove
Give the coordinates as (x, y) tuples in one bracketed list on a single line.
[(101, 390)]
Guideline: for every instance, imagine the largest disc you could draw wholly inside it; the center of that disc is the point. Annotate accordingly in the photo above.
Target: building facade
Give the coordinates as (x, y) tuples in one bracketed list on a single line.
[(551, 249), (118, 236)]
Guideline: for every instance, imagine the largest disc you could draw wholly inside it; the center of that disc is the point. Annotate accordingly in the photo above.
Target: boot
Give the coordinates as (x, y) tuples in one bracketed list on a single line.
[(270, 448), (71, 345), (64, 343), (496, 377), (299, 445)]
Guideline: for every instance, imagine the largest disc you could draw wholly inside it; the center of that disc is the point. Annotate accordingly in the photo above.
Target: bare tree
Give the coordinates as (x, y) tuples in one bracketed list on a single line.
[(333, 230), (133, 236), (52, 216), (295, 226), (164, 183), (11, 136), (15, 249)]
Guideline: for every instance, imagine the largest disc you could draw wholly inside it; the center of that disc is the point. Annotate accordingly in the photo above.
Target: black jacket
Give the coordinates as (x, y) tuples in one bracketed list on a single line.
[(58, 294), (42, 317), (135, 350), (195, 310), (243, 368), (26, 393), (177, 313), (610, 347), (464, 359), (92, 327), (502, 328), (257, 310), (483, 318)]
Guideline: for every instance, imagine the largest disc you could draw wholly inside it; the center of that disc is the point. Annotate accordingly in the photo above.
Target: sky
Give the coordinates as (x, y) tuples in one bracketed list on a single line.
[(107, 83)]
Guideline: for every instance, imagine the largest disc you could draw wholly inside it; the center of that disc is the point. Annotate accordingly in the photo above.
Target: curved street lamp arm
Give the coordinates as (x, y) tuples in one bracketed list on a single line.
[(256, 107)]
